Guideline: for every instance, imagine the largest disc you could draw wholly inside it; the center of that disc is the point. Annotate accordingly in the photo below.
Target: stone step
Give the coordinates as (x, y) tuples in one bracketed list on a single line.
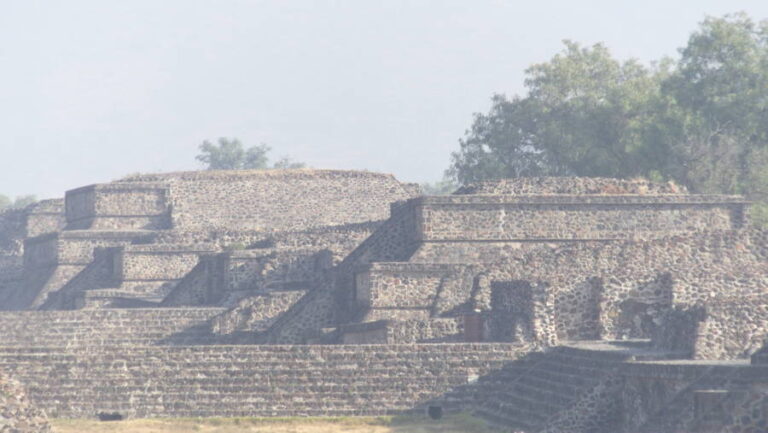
[(174, 381), (554, 383), (322, 353), (126, 368), (332, 409), (222, 352), (97, 328), (105, 375), (76, 389), (215, 396), (31, 376)]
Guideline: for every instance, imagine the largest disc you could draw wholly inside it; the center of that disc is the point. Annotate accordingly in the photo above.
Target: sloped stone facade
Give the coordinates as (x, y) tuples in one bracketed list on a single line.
[(543, 304), (17, 415)]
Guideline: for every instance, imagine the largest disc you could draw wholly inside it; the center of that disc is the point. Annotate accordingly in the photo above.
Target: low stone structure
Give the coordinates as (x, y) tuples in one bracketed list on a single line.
[(177, 217), (543, 304)]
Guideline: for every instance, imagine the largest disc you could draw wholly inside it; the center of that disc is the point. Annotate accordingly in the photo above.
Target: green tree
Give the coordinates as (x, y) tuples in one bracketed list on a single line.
[(24, 201), (5, 202), (444, 186), (229, 154), (286, 162), (586, 114), (720, 89), (256, 157), (500, 144), (20, 202), (701, 119)]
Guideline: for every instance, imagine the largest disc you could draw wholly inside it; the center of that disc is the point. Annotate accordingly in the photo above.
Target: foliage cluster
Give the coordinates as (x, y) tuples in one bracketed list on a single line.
[(18, 203), (229, 154), (700, 120)]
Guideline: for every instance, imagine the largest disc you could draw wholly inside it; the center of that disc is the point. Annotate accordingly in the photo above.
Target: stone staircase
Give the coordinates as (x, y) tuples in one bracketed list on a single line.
[(528, 393), (244, 322), (229, 381), (107, 327), (142, 274)]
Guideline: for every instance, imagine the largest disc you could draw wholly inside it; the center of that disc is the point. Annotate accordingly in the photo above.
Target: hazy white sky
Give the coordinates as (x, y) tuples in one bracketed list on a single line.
[(94, 90)]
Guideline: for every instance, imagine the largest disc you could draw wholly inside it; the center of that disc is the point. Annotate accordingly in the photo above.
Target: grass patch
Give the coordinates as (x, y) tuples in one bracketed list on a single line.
[(459, 423)]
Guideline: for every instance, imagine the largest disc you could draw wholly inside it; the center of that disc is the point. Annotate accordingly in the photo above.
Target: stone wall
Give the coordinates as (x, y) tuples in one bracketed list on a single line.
[(494, 218), (39, 218), (504, 234), (570, 185), (723, 328), (15, 225), (52, 260), (231, 210), (746, 412), (99, 274), (195, 287), (74, 247), (583, 290), (679, 397), (341, 239), (119, 206), (276, 200), (273, 268), (17, 414), (106, 328), (333, 302), (45, 216), (156, 262), (12, 231), (733, 328), (613, 290), (512, 313), (250, 380), (590, 290), (475, 252), (224, 278), (439, 330), (306, 320), (253, 315), (404, 291)]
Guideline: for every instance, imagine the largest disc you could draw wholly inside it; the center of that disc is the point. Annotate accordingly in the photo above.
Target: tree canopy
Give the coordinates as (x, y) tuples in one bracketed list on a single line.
[(21, 201), (699, 120), (229, 154)]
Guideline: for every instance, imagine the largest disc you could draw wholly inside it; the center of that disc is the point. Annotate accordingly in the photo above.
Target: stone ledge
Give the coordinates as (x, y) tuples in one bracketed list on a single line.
[(580, 200)]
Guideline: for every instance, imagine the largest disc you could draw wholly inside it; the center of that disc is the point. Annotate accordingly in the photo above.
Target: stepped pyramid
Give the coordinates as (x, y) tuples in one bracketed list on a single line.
[(541, 304)]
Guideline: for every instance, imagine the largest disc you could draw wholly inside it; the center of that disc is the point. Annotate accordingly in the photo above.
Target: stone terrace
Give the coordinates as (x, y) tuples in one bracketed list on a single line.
[(194, 381), (306, 256), (106, 327)]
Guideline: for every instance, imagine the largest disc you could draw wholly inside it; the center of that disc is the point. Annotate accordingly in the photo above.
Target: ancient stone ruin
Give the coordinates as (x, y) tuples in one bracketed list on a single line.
[(17, 415), (541, 304)]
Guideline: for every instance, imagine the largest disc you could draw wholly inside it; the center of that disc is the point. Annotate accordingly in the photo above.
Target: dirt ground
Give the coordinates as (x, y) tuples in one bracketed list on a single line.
[(451, 424)]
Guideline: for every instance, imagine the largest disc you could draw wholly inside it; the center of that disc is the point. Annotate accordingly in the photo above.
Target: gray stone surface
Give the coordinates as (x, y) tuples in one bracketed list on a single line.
[(17, 414), (232, 381), (323, 292)]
